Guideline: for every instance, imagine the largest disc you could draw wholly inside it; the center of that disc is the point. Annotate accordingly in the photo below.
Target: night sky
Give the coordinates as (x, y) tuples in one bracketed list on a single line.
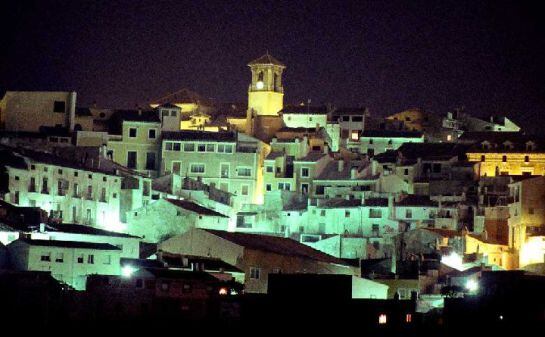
[(386, 55)]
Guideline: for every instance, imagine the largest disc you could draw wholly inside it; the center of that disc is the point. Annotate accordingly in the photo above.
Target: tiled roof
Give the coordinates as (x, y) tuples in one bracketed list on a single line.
[(341, 203), (391, 134), (416, 200), (182, 96), (331, 171), (312, 156), (195, 208), (431, 151), (266, 59), (69, 244), (304, 109), (276, 245), (376, 202), (222, 136), (81, 229), (274, 154)]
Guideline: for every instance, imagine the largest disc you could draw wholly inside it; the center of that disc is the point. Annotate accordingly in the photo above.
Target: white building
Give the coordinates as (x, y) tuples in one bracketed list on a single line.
[(168, 217), (373, 142), (68, 261)]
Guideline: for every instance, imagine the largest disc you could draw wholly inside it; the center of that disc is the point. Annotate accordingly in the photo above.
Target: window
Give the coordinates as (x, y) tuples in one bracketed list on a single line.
[(59, 257), (132, 132), (382, 319), (189, 147), (107, 259), (375, 229), (355, 135), (131, 159), (304, 189), (197, 168), (408, 318), (244, 190), (357, 118), (103, 195), (152, 133), (90, 259), (255, 273), (150, 161), (305, 172), (176, 147), (176, 167), (320, 190), (46, 257), (406, 172), (210, 147), (59, 106), (224, 170), (322, 212), (268, 187), (269, 169), (375, 213), (408, 213), (164, 113), (168, 146), (225, 148), (201, 148), (45, 189), (80, 258), (504, 159), (526, 159), (244, 172), (347, 214), (483, 158)]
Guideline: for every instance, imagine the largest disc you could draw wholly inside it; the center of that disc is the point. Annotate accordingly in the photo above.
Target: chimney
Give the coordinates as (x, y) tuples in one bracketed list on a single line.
[(341, 165)]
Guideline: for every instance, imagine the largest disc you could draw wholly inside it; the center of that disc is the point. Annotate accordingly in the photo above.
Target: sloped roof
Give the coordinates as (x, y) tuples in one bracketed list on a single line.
[(416, 200), (182, 96), (195, 208), (222, 136), (81, 229), (305, 109), (391, 134), (276, 245), (69, 244), (266, 59)]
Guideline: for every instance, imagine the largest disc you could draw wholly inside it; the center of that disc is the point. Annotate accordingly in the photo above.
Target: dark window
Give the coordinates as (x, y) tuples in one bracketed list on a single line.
[(59, 106), (131, 159), (357, 118), (132, 132), (152, 133), (526, 159), (150, 161), (504, 159), (483, 158)]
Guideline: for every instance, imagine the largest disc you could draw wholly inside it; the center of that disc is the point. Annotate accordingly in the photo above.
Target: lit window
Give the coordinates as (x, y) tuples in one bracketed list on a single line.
[(408, 318), (382, 319), (355, 135)]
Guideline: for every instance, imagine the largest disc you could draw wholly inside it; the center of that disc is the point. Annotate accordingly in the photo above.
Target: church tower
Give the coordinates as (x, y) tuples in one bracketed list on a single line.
[(266, 94), (265, 97)]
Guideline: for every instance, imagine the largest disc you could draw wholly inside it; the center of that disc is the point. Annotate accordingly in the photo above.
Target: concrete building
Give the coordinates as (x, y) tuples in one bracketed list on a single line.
[(256, 255), (96, 192), (229, 161), (373, 142), (135, 139), (31, 110), (68, 261)]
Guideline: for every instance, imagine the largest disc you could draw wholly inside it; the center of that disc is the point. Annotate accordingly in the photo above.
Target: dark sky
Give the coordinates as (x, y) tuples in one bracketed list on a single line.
[(387, 55)]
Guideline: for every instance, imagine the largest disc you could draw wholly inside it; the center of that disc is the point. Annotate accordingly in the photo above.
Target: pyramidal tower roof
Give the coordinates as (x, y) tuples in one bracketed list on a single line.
[(266, 59)]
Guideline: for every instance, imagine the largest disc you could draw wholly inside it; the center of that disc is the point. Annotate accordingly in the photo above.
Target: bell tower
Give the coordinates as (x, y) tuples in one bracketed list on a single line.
[(266, 93)]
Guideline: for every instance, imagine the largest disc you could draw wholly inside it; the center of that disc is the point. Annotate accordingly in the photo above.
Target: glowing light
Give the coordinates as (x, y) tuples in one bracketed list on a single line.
[(408, 318), (223, 291), (259, 85), (355, 135), (501, 317), (382, 319), (472, 285), (532, 251), (453, 260), (127, 271), (449, 138)]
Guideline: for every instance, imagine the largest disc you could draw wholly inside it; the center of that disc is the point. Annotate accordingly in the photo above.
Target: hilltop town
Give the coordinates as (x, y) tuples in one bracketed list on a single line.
[(192, 208)]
